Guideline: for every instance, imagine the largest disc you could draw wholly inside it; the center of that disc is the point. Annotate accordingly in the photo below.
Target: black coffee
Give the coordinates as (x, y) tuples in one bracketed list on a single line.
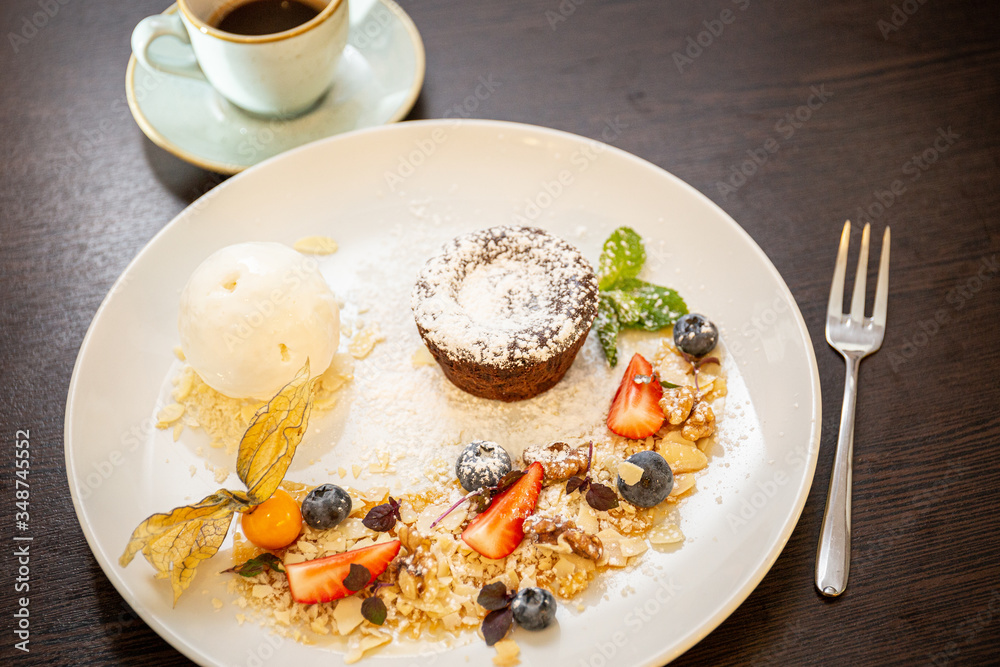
[(263, 17)]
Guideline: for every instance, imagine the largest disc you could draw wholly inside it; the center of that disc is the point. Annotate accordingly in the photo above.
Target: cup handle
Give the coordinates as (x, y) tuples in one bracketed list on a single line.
[(164, 25)]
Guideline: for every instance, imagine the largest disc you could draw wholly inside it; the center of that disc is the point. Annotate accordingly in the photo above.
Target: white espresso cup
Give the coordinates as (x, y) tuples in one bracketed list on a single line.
[(277, 74)]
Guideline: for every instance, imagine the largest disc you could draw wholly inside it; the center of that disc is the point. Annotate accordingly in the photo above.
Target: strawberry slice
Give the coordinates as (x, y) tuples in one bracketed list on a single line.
[(322, 579), (635, 410), (496, 532)]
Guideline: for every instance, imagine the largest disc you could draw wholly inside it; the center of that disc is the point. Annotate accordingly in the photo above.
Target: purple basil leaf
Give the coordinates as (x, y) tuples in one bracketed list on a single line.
[(358, 578), (496, 625), (373, 609), (574, 483), (382, 518), (601, 498), (493, 596)]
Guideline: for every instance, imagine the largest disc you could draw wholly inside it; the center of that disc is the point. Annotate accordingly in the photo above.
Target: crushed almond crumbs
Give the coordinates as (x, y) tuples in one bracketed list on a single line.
[(225, 419), (433, 584)]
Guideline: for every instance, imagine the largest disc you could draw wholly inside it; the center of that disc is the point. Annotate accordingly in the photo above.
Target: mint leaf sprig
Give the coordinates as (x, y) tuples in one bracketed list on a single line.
[(625, 301)]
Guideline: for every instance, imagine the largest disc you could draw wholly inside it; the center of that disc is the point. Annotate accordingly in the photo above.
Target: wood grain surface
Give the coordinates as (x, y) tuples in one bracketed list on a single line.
[(853, 97)]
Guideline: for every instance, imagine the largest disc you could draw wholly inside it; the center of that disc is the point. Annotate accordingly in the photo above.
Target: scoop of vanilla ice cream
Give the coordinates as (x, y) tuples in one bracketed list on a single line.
[(250, 316)]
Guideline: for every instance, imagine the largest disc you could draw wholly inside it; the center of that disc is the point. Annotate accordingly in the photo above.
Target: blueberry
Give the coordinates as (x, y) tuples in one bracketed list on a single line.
[(534, 608), (656, 482), (326, 506), (695, 334), (482, 463)]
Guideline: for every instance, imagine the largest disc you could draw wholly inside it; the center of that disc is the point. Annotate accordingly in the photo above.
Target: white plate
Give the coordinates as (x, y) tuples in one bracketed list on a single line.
[(397, 192), (377, 81)]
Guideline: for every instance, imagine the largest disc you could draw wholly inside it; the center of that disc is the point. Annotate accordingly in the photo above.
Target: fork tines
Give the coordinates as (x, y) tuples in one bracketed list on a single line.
[(857, 314)]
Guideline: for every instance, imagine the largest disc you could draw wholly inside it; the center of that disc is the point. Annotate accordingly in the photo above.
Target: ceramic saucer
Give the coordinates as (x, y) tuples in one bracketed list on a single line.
[(377, 82)]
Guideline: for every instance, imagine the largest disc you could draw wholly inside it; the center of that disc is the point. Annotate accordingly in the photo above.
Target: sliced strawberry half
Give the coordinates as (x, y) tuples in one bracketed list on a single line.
[(496, 532), (635, 410), (322, 579)]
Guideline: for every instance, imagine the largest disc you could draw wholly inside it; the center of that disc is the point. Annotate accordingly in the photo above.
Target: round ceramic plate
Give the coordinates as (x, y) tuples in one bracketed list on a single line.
[(405, 190), (377, 82)]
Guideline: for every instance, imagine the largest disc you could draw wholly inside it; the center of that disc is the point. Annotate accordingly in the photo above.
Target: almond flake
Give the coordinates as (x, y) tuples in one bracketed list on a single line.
[(422, 357), (507, 652), (682, 483), (564, 567), (347, 614), (364, 341), (682, 458), (586, 519), (630, 473), (316, 245), (169, 414), (262, 591), (665, 534)]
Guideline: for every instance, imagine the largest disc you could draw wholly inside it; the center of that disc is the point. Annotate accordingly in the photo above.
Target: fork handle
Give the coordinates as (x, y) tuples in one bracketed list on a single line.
[(833, 557)]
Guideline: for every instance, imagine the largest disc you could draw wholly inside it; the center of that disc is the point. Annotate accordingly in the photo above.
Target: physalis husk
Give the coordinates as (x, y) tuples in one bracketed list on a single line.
[(175, 543), (269, 443)]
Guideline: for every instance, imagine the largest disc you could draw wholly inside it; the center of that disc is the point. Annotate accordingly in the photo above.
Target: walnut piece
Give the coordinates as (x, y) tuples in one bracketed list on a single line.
[(556, 531), (559, 460), (677, 403), (584, 544), (545, 529), (700, 423)]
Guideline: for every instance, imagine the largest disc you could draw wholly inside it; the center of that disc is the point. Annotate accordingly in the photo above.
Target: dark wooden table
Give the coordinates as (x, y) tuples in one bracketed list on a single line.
[(884, 111)]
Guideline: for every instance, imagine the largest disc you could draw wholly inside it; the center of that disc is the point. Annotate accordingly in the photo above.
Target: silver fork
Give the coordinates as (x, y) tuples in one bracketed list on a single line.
[(855, 337)]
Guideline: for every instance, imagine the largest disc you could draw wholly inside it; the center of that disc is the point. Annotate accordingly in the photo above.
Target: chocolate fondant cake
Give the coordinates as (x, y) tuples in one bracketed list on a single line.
[(504, 310)]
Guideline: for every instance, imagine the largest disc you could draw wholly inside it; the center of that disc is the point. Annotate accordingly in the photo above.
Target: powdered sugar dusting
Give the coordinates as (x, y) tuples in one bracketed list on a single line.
[(505, 296), (412, 411)]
